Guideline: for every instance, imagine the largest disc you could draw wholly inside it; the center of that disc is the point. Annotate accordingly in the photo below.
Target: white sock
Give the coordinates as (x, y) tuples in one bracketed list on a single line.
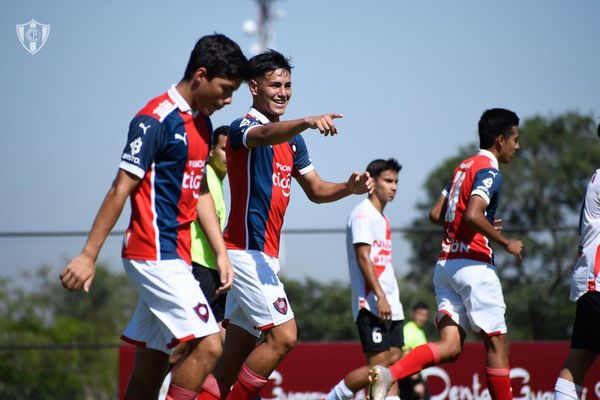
[(392, 398), (340, 392), (566, 390)]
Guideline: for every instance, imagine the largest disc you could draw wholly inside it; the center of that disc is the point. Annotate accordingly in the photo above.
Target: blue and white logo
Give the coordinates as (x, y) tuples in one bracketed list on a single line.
[(33, 35)]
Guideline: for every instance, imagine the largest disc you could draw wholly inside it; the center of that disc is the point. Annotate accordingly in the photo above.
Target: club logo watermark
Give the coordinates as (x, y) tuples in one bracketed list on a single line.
[(33, 35)]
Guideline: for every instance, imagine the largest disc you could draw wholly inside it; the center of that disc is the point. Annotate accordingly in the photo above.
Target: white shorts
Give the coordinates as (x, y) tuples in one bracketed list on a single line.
[(257, 299), (171, 306), (470, 293)]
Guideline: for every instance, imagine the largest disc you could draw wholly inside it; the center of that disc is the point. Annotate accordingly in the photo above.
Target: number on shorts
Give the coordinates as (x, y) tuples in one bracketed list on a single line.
[(376, 335)]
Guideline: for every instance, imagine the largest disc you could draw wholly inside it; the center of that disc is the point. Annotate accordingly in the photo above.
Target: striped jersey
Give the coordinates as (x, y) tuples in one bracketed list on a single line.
[(477, 175), (260, 183), (167, 148)]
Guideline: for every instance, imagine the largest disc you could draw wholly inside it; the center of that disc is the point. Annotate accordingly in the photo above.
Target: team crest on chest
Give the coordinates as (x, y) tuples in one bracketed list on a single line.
[(281, 305), (202, 311)]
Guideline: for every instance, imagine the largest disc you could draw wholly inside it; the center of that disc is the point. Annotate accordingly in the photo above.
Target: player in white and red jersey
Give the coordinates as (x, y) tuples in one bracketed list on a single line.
[(585, 291), (161, 171), (376, 306), (467, 288), (263, 154)]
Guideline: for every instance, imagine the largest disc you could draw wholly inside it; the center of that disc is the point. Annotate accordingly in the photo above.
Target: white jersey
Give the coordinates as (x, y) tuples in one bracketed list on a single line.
[(586, 272), (367, 225)]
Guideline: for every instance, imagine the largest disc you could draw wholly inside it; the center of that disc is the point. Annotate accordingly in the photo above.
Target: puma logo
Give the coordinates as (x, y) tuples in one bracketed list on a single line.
[(183, 137), (144, 127)]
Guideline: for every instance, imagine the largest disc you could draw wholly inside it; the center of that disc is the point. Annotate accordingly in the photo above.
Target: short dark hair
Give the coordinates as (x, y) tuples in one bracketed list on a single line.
[(420, 305), (223, 130), (493, 123), (220, 56), (376, 167), (268, 61)]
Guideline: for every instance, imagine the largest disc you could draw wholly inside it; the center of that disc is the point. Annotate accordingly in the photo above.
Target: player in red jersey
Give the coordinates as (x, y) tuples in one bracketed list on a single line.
[(467, 288), (161, 171), (263, 154)]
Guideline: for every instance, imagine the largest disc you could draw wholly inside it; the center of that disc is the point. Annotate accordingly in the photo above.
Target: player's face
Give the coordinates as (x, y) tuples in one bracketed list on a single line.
[(509, 146), (272, 92), (386, 185), (217, 155), (421, 316), (213, 94)]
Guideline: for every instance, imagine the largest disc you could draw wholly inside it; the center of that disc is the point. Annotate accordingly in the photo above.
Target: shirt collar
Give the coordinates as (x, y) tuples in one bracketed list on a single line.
[(178, 100), (258, 115), (490, 155)]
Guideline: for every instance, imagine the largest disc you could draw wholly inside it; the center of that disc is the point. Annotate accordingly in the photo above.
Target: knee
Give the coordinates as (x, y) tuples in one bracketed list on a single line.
[(285, 341), (208, 348), (450, 352)]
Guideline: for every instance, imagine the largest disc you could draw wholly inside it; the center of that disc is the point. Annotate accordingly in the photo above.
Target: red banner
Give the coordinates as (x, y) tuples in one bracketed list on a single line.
[(312, 369)]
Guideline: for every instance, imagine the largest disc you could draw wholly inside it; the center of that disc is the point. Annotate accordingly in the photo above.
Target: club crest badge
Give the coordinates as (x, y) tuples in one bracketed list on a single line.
[(281, 305), (33, 35), (202, 311)]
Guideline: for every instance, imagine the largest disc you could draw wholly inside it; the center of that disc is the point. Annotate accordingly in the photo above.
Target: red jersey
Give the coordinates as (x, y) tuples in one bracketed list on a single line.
[(475, 176)]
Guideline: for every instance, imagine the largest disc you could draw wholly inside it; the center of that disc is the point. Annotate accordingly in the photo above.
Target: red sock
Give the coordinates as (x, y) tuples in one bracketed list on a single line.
[(498, 380), (179, 393), (420, 357), (247, 386), (212, 389)]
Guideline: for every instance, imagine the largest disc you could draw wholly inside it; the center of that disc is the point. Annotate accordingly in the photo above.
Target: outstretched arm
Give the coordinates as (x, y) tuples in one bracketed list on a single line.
[(80, 272), (209, 222), (319, 191), (283, 131), (475, 216)]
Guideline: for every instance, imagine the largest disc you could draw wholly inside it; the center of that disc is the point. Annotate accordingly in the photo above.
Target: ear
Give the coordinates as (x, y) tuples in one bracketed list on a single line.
[(253, 85), (201, 75)]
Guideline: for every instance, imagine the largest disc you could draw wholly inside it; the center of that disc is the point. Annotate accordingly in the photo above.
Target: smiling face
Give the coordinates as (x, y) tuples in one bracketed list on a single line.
[(210, 95), (271, 93)]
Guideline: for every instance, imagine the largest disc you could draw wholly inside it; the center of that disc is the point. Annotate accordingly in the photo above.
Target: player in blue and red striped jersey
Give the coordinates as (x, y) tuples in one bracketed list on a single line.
[(263, 154), (161, 171), (467, 288)]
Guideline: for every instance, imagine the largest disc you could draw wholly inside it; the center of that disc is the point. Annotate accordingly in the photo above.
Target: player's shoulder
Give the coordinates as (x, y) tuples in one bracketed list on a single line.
[(157, 109), (364, 209), (244, 122)]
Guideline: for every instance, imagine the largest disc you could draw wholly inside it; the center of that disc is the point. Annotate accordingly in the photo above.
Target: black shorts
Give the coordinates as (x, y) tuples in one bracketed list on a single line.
[(209, 282), (377, 336), (586, 328)]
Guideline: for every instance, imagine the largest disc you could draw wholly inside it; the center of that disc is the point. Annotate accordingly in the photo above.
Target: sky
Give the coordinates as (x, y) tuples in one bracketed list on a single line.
[(411, 78)]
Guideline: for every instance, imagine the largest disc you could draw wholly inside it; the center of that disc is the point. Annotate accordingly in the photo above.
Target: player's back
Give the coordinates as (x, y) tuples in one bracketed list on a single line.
[(477, 175)]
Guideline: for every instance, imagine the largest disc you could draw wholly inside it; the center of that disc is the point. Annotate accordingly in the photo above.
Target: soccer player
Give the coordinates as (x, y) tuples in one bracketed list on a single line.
[(376, 306), (585, 287), (263, 154), (161, 171), (467, 288)]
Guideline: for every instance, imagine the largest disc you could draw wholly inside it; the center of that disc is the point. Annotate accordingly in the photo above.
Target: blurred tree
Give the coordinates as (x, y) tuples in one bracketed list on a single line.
[(541, 195), (322, 310), (40, 312)]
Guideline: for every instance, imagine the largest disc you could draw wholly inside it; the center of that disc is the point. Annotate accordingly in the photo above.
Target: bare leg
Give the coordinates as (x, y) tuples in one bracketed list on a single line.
[(149, 370)]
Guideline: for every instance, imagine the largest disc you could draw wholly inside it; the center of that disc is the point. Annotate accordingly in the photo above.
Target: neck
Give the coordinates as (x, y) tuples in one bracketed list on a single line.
[(185, 90), (270, 117), (377, 203)]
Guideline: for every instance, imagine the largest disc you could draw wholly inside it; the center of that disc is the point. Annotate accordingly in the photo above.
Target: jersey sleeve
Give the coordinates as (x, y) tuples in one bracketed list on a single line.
[(487, 183), (302, 161), (238, 131), (360, 227), (144, 140)]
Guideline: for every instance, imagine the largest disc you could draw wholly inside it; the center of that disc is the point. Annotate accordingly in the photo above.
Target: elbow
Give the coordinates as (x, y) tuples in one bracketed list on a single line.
[(434, 217)]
